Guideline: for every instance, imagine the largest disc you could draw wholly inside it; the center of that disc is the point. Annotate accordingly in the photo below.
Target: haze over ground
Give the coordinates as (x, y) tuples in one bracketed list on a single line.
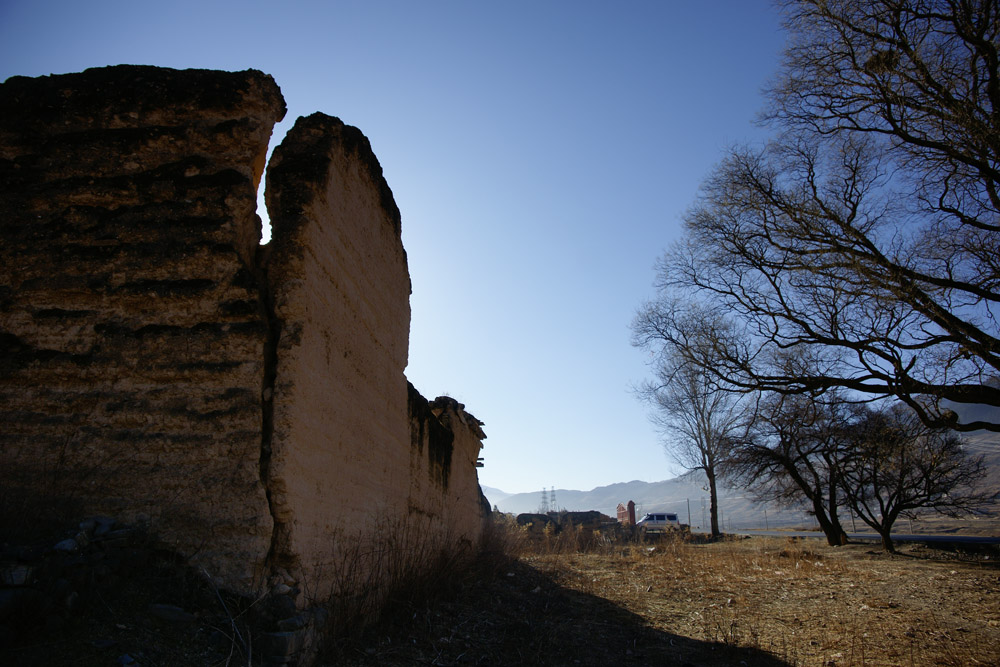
[(541, 155)]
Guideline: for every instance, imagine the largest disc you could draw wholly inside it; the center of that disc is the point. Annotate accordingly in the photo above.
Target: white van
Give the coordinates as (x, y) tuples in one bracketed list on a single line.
[(659, 522)]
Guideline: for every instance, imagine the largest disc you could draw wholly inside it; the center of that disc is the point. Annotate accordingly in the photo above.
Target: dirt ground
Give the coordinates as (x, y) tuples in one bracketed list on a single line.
[(755, 601), (806, 603)]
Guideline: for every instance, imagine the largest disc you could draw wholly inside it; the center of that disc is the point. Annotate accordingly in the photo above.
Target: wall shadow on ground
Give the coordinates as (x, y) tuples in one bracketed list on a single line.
[(522, 616)]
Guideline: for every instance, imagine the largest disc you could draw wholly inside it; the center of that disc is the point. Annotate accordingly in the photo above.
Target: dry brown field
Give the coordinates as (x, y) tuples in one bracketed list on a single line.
[(568, 599), (753, 601)]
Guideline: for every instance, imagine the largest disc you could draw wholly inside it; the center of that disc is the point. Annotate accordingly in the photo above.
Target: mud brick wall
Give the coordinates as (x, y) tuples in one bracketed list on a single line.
[(132, 330), (445, 441), (157, 363), (339, 462)]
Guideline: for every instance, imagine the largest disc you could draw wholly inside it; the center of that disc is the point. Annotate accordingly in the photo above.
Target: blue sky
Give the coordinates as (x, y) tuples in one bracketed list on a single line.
[(541, 153)]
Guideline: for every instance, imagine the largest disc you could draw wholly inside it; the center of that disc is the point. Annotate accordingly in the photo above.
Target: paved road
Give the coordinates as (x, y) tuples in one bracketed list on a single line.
[(864, 537)]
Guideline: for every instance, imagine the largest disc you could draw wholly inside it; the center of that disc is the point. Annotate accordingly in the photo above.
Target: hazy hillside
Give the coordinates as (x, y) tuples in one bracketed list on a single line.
[(493, 494), (983, 443), (687, 493), (988, 445), (681, 495)]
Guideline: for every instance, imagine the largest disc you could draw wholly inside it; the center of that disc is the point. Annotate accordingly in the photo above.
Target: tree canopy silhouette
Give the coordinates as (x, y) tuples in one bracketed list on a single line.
[(860, 248)]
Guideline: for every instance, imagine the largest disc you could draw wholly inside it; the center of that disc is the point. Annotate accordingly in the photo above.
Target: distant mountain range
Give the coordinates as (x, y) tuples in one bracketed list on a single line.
[(687, 495)]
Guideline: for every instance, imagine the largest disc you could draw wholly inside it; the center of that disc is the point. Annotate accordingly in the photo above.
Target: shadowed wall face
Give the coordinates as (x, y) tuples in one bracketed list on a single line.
[(249, 401), (133, 333)]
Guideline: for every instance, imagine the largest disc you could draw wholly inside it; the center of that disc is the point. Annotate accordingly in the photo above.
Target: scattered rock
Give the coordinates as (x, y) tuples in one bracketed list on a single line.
[(171, 614), (282, 645), (104, 526), (282, 606), (296, 622), (16, 575), (69, 545)]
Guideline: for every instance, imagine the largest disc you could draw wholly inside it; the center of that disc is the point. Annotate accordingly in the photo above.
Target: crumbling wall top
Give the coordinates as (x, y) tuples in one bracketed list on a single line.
[(128, 95), (300, 168), (445, 406)]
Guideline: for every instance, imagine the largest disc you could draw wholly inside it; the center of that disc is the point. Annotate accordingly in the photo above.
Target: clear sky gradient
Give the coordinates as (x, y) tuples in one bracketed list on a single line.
[(542, 154)]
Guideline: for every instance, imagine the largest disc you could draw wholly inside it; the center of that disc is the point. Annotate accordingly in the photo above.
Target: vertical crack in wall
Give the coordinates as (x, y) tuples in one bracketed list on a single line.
[(273, 329)]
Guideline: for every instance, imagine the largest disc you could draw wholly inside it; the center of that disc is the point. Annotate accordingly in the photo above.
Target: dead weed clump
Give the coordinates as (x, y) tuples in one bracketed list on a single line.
[(402, 566), (556, 538)]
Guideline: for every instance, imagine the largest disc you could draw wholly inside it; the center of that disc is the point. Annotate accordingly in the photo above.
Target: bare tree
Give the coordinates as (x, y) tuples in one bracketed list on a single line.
[(793, 456), (699, 422), (866, 237), (896, 464)]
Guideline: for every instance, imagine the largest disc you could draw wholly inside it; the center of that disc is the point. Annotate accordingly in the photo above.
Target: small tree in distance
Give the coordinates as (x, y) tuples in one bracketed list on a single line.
[(895, 464), (700, 423)]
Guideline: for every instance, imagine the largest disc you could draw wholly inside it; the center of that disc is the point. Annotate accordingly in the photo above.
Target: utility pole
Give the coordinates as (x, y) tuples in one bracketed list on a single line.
[(689, 512)]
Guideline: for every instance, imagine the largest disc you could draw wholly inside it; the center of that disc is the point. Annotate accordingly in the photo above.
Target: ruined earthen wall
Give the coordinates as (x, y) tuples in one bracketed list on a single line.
[(444, 453), (132, 330), (340, 450), (154, 360)]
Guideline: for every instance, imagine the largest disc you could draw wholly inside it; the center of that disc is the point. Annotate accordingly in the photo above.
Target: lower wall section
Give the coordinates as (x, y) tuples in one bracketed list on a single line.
[(445, 442)]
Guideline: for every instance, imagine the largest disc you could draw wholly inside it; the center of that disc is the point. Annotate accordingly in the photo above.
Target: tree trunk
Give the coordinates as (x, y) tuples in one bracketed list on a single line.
[(832, 534), (887, 541), (835, 535), (838, 531), (885, 531), (713, 503)]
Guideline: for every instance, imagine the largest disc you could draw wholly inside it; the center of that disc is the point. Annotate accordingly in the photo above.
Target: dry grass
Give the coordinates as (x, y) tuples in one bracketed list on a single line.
[(801, 601), (403, 564), (576, 598), (571, 598)]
